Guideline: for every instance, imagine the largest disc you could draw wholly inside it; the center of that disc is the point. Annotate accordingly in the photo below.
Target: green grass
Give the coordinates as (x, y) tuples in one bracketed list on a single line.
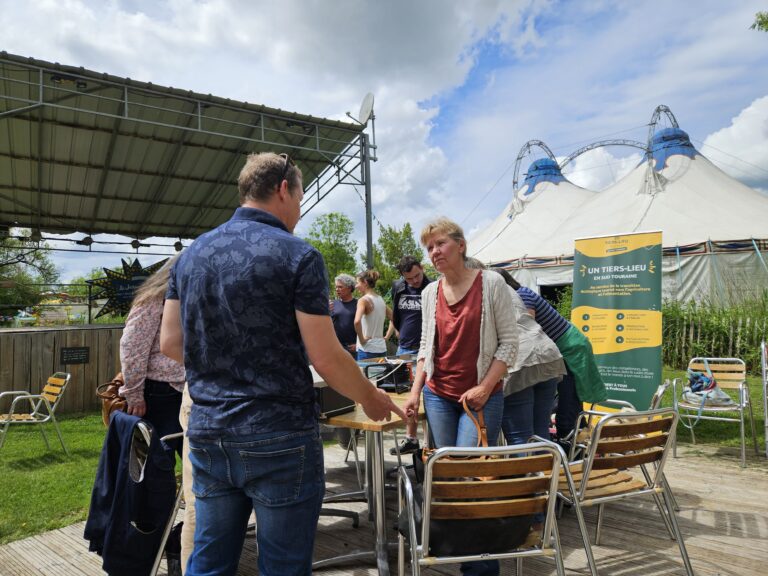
[(44, 489), (722, 433)]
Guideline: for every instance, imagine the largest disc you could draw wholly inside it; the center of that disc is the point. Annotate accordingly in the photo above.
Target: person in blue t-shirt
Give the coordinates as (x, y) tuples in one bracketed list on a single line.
[(406, 320), (343, 312), (246, 311)]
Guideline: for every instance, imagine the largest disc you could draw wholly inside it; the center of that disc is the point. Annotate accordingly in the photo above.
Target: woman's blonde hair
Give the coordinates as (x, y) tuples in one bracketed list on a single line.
[(445, 226), (154, 287)]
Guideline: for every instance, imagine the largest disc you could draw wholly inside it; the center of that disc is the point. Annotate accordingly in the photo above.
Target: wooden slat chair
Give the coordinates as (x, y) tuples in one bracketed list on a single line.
[(625, 458), (521, 486), (730, 374), (585, 423), (40, 408)]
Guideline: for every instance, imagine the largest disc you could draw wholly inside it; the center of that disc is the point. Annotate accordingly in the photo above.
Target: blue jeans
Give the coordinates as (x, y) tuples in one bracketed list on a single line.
[(363, 355), (280, 475), (449, 425), (529, 412), (401, 351)]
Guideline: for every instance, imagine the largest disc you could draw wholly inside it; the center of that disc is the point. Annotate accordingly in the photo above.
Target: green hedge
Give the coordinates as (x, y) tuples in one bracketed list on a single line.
[(706, 329)]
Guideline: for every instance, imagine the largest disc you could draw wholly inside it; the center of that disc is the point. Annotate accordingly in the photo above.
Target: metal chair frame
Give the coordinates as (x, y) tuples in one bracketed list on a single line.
[(623, 441), (42, 408), (692, 411), (547, 546)]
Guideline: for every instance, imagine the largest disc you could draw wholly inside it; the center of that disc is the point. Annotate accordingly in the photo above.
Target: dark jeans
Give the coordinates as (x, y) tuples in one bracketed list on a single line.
[(163, 407), (568, 405)]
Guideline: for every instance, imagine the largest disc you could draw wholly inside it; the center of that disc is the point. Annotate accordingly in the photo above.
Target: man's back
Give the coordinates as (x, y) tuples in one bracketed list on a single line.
[(239, 287)]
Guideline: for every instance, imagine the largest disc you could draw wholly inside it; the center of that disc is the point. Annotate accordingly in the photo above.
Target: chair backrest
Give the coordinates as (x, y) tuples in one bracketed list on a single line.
[(728, 372), (658, 395), (629, 439), (514, 486), (54, 388)]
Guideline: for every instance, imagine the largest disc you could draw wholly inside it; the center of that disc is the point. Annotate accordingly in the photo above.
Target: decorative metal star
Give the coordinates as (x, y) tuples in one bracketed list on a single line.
[(119, 287)]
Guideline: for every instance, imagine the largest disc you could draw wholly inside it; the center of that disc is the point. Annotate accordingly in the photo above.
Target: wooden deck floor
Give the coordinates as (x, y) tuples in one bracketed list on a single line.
[(724, 518)]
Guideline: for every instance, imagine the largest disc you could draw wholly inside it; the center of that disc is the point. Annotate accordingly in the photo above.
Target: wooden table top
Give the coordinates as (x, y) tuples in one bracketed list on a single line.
[(357, 419)]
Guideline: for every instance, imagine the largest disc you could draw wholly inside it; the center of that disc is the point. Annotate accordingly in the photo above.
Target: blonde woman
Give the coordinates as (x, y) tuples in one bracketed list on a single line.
[(468, 344), (369, 317), (153, 382)]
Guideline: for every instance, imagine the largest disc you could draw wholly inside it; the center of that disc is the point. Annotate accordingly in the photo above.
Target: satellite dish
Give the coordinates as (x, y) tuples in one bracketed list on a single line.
[(366, 109)]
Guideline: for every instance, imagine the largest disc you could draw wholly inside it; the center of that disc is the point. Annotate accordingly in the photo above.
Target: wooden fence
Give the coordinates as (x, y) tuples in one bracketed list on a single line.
[(688, 335), (29, 355)]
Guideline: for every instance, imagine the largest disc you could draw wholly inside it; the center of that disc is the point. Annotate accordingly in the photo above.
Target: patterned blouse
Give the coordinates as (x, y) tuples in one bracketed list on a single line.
[(140, 356)]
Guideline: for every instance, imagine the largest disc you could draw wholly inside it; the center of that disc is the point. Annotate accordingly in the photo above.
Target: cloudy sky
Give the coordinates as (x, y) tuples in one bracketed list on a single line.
[(459, 86)]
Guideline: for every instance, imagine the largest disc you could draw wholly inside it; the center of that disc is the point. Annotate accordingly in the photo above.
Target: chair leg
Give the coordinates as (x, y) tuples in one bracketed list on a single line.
[(600, 510), (754, 432), (743, 438), (678, 534), (58, 432), (558, 551), (4, 433), (45, 436), (352, 446), (693, 436), (579, 517), (659, 505), (668, 488)]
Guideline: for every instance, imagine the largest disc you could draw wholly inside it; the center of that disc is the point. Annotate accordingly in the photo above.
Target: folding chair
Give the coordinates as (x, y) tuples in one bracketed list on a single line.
[(730, 374), (522, 486), (41, 408), (619, 444)]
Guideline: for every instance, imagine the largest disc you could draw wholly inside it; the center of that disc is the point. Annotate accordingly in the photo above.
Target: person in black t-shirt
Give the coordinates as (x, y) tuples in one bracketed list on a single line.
[(343, 312), (406, 319)]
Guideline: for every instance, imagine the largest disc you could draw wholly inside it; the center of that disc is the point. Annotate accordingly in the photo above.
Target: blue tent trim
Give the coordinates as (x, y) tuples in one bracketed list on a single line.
[(542, 170), (668, 142)]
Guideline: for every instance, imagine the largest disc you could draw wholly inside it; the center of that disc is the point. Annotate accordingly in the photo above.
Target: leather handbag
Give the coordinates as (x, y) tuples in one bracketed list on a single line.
[(110, 397)]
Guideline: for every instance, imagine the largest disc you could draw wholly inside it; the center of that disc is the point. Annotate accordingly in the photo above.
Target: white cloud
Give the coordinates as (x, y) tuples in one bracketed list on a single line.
[(599, 168), (459, 86), (741, 149)]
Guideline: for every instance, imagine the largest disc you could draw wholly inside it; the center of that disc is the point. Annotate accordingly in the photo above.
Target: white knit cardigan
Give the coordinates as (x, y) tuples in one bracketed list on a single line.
[(498, 325)]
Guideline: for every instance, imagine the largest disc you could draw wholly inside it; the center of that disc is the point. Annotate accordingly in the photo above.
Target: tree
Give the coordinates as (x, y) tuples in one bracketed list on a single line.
[(761, 22), (331, 234), (22, 264), (392, 245), (80, 290)]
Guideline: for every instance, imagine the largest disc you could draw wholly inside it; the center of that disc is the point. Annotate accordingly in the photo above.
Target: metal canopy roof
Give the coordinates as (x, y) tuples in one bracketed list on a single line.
[(87, 152)]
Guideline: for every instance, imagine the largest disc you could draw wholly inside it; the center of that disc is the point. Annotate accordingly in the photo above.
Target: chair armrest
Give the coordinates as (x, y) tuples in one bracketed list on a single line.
[(31, 398), (13, 393)]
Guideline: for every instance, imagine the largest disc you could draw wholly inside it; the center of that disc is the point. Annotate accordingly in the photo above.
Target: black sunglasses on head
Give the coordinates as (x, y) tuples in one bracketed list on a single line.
[(288, 163)]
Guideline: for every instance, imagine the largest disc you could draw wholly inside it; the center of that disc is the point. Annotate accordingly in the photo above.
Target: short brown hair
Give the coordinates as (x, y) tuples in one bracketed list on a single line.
[(262, 174), (407, 263), (445, 226)]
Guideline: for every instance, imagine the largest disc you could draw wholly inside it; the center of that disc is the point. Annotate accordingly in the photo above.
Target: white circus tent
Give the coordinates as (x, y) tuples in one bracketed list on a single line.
[(714, 228)]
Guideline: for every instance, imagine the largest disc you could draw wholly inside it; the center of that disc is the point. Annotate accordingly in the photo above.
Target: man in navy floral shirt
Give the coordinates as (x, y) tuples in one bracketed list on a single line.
[(247, 310)]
